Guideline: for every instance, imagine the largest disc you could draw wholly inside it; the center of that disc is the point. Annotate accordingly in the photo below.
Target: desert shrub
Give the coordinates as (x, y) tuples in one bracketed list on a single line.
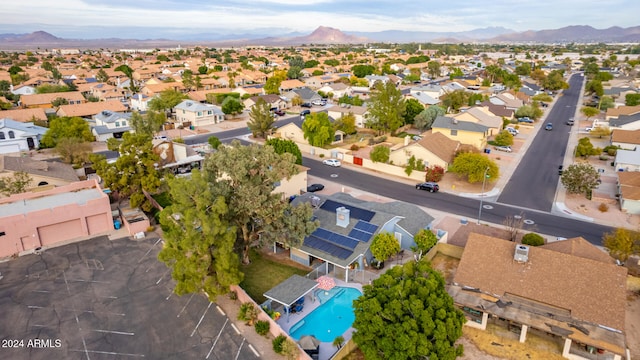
[(321, 155), (380, 154), (603, 207), (277, 343), (532, 239), (355, 147), (262, 327), (434, 173), (233, 295)]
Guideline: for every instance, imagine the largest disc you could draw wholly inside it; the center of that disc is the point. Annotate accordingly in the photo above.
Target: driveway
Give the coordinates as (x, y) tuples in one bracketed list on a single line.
[(103, 299)]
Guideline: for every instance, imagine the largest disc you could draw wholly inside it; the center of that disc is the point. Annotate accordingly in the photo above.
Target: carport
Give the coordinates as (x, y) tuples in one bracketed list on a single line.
[(290, 291)]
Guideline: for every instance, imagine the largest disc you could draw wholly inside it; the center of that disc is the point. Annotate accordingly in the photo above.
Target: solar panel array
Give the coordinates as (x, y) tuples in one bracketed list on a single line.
[(360, 235), (363, 231), (355, 212), (366, 226), (329, 248), (336, 238)]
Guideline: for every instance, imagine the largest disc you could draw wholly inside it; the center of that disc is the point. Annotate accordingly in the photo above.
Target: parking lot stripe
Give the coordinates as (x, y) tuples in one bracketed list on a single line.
[(240, 348), (75, 314), (35, 307), (89, 281), (217, 338), (93, 312), (201, 318), (235, 328), (220, 310), (185, 305), (148, 251), (115, 332), (108, 353), (163, 275), (254, 351)]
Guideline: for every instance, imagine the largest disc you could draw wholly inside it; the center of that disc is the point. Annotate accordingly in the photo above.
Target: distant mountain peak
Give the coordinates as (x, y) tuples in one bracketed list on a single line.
[(329, 35)]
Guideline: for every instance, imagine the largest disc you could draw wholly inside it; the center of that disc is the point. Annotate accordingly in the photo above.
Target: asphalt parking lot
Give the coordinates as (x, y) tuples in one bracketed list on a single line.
[(103, 299)]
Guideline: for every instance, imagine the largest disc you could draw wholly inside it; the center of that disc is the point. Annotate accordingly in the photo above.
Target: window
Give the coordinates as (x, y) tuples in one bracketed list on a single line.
[(11, 135), (454, 132), (117, 123), (199, 113), (1, 135), (124, 122)]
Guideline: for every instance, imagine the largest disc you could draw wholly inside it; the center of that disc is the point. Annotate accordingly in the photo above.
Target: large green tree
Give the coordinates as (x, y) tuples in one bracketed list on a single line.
[(260, 119), (18, 183), (246, 176), (272, 86), (318, 130), (282, 146), (149, 123), (66, 127), (622, 243), (585, 148), (199, 239), (580, 178), (133, 171), (166, 100), (74, 151), (232, 105), (589, 111), (425, 118), (384, 245), (529, 111), (413, 107), (386, 108), (473, 167), (407, 314)]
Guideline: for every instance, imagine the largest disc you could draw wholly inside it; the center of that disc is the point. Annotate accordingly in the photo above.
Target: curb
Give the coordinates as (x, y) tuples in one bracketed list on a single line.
[(563, 210)]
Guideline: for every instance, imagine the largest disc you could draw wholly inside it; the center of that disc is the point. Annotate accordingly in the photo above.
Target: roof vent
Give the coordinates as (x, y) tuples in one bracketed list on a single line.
[(315, 201), (522, 254)]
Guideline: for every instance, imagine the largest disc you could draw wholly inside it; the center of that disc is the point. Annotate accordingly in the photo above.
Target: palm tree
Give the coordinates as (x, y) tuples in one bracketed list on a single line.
[(337, 342)]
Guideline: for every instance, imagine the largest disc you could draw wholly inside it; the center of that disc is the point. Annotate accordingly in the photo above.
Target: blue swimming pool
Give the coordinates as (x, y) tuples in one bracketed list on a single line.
[(330, 319)]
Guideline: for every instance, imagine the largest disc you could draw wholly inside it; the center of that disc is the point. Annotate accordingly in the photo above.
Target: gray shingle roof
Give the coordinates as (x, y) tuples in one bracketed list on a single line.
[(450, 123)]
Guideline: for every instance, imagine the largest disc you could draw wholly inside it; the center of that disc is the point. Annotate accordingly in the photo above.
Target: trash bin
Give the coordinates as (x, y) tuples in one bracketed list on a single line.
[(192, 127), (116, 224), (487, 151)]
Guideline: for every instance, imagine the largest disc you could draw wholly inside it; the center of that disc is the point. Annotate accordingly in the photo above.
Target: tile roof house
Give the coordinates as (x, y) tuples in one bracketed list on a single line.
[(274, 101), (42, 173), (481, 115), (19, 136), (347, 226), (106, 92), (621, 110), (191, 113), (360, 113), (110, 124), (629, 190), (337, 89), (466, 132), (24, 115), (139, 102), (90, 109), (499, 110), (23, 90), (502, 282), (46, 100), (307, 95), (507, 99), (625, 122), (288, 85), (432, 149), (625, 139)]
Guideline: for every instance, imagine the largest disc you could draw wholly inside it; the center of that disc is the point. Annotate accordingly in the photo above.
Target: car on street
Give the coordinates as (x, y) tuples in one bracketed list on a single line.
[(503, 148), (548, 127), (280, 112), (588, 129), (321, 102), (429, 186), (307, 105), (570, 122), (560, 170), (315, 187), (305, 112), (332, 162), (525, 120)]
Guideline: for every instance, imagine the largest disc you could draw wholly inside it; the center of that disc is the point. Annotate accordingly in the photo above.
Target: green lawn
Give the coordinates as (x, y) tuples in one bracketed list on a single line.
[(263, 274)]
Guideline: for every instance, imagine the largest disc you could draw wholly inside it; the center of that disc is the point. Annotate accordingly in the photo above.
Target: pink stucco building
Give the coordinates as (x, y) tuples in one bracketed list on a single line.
[(41, 219)]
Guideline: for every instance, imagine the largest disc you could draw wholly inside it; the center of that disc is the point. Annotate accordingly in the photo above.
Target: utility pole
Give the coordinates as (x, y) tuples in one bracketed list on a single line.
[(484, 180)]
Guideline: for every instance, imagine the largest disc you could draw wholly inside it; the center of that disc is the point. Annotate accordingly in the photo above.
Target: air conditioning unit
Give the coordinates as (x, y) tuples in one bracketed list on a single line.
[(521, 254)]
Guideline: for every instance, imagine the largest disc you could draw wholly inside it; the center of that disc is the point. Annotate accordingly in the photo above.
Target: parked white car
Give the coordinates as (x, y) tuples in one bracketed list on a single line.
[(512, 131), (503, 148), (332, 162)]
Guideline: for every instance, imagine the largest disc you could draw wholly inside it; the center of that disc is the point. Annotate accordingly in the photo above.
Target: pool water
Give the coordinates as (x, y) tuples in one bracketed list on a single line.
[(331, 318)]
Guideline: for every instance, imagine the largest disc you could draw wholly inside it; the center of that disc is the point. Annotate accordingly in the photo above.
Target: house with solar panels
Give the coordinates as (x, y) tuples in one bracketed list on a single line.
[(347, 226)]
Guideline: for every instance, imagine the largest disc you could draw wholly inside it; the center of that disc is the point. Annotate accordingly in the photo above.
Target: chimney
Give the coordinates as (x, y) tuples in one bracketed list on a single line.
[(522, 254), (342, 216)]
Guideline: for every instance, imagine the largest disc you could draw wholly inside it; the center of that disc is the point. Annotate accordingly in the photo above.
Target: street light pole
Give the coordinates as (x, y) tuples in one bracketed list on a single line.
[(484, 180)]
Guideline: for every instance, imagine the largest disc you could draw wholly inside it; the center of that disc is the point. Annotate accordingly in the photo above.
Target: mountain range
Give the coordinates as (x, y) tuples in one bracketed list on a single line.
[(328, 35)]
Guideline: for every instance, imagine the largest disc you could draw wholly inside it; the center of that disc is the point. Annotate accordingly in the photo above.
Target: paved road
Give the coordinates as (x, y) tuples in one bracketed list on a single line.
[(534, 182), (492, 212)]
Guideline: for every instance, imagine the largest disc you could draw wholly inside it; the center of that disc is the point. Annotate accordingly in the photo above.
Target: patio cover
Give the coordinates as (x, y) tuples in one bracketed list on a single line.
[(290, 290)]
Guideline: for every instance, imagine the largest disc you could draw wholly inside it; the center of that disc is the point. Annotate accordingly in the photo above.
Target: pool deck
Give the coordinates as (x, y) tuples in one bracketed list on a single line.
[(326, 348)]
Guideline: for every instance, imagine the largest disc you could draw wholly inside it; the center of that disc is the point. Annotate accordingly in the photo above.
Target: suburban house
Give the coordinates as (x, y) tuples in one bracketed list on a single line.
[(466, 132), (155, 89), (289, 85), (46, 100), (629, 190), (317, 82), (431, 90), (290, 131), (106, 92), (22, 89), (337, 89), (293, 186), (191, 113), (626, 122), (424, 99), (139, 102), (89, 109), (627, 160), (179, 158), (307, 95), (18, 136), (275, 102), (24, 115), (347, 226), (517, 286), (110, 124), (360, 112), (621, 110), (373, 79), (432, 149), (499, 110), (625, 139), (43, 174), (34, 220), (481, 115), (507, 99)]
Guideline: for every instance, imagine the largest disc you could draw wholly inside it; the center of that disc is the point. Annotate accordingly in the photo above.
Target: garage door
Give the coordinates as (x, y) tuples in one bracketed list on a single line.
[(52, 234), (98, 224)]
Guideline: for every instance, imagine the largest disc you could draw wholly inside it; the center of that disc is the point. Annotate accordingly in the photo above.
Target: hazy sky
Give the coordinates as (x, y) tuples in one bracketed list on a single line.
[(162, 18)]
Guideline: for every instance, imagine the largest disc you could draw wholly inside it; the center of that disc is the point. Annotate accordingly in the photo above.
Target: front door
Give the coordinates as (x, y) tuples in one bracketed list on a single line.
[(30, 143)]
